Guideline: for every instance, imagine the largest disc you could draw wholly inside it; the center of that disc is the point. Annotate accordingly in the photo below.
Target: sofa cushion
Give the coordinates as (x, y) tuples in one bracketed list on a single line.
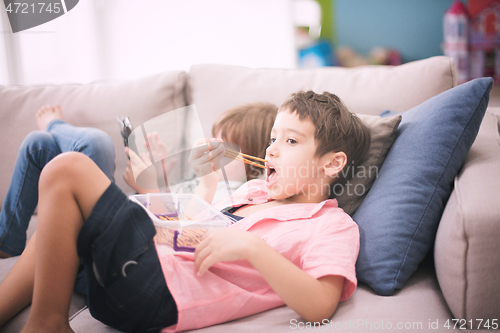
[(383, 134), (466, 251), (420, 307), (399, 216), (94, 105), (365, 90)]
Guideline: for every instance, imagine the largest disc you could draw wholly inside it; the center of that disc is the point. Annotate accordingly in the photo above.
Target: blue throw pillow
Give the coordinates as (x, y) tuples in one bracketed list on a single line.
[(399, 217)]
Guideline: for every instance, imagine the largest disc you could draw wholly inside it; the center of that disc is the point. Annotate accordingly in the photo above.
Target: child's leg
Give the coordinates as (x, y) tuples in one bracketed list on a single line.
[(92, 142), (37, 149), (70, 186), (17, 287)]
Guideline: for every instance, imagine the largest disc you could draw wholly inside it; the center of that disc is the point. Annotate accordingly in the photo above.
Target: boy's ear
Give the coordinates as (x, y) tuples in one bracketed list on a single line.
[(334, 163)]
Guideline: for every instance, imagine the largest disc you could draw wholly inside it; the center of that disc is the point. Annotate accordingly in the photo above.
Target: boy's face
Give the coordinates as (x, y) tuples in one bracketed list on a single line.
[(293, 170)]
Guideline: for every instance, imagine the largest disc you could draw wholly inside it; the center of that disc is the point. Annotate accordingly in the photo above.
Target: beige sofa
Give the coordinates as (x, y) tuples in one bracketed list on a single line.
[(458, 279)]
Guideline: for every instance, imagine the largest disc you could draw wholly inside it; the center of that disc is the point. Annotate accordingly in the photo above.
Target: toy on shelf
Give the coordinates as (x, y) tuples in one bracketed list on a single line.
[(456, 20), (313, 51), (317, 54), (472, 38), (347, 57)]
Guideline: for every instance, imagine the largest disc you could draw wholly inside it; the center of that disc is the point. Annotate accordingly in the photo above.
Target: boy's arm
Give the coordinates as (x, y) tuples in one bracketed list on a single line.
[(207, 187), (205, 160), (313, 299)]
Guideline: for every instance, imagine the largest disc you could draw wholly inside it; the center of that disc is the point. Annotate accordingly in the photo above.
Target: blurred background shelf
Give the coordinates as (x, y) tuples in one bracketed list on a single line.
[(126, 39)]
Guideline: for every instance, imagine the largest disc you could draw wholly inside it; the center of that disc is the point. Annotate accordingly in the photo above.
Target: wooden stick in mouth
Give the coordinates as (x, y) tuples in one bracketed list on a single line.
[(245, 158)]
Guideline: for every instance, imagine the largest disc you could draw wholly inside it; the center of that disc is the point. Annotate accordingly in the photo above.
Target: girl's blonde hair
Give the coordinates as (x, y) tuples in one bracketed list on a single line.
[(249, 126)]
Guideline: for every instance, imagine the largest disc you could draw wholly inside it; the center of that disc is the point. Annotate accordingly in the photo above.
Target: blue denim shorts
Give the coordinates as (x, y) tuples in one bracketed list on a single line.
[(126, 288)]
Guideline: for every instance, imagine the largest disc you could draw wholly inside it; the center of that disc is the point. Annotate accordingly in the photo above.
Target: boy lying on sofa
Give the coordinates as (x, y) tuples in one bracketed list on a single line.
[(292, 245)]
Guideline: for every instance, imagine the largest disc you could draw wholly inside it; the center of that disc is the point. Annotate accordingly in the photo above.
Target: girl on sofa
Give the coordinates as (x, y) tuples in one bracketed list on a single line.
[(292, 245), (248, 126)]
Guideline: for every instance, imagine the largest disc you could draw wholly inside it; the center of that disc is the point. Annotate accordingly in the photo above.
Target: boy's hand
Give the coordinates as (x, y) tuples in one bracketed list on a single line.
[(219, 245), (313, 299), (205, 157)]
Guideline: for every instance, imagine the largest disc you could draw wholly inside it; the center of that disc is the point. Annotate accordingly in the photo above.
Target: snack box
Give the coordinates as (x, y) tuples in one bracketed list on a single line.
[(180, 219)]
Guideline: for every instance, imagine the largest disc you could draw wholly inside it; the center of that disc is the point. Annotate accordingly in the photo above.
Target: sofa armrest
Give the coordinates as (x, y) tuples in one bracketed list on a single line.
[(467, 255)]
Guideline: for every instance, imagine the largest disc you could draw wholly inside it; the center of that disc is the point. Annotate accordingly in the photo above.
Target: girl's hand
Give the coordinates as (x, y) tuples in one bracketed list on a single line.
[(135, 166), (159, 150), (128, 176), (139, 164), (205, 159), (219, 245)]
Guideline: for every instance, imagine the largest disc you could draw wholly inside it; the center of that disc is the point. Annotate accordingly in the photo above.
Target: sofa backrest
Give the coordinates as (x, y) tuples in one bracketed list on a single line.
[(91, 105), (365, 90), (212, 89)]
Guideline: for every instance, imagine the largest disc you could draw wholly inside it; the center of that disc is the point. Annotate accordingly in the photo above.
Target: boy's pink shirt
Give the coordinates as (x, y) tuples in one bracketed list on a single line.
[(319, 238)]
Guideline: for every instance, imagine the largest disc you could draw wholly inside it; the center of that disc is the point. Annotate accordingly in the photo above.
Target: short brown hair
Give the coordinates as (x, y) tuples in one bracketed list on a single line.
[(336, 129), (249, 126)]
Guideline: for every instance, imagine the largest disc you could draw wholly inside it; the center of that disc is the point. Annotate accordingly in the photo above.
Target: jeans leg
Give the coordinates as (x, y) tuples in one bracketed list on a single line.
[(37, 149), (92, 142)]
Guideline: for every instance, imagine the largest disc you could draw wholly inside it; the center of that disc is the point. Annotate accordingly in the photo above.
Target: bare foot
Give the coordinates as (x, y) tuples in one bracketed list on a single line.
[(46, 114)]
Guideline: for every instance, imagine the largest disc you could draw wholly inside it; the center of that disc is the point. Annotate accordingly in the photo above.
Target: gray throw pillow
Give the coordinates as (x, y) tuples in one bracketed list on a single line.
[(383, 133)]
